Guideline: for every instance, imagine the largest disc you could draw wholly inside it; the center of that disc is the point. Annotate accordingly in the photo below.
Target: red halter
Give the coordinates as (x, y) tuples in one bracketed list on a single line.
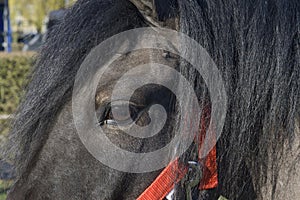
[(175, 172)]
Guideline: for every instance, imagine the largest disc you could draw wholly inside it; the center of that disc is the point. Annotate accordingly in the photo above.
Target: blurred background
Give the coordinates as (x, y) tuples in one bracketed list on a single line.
[(23, 29)]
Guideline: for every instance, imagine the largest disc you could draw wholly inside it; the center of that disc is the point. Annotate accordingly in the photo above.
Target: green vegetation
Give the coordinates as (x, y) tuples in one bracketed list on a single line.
[(4, 128), (222, 198), (14, 70), (35, 11), (4, 186), (2, 196)]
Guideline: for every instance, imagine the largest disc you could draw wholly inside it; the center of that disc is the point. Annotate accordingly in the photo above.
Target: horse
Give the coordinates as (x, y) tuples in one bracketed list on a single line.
[(255, 46)]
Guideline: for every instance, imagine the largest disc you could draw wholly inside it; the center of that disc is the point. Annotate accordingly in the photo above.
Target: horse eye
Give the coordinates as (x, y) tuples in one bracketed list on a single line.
[(120, 116)]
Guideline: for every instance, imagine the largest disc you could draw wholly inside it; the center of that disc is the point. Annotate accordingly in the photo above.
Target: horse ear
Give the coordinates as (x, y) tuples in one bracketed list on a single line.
[(159, 12)]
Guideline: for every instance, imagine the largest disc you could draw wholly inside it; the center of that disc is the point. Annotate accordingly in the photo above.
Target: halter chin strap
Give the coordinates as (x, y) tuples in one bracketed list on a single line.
[(177, 171)]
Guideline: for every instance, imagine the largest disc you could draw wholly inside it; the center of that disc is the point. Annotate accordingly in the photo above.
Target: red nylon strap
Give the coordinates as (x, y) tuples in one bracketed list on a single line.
[(210, 172), (173, 173), (164, 183)]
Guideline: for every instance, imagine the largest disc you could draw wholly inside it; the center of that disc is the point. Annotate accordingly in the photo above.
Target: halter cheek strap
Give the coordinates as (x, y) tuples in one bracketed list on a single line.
[(176, 171), (165, 182)]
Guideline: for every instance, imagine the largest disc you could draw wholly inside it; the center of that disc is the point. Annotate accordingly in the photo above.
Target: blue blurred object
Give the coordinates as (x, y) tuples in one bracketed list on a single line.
[(6, 171), (32, 42), (5, 28), (1, 25)]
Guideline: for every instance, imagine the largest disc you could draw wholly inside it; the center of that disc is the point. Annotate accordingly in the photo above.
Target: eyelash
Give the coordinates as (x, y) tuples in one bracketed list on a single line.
[(108, 119)]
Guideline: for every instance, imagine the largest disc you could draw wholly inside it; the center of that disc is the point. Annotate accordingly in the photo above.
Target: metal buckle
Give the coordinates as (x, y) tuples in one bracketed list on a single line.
[(191, 180), (193, 177), (170, 195)]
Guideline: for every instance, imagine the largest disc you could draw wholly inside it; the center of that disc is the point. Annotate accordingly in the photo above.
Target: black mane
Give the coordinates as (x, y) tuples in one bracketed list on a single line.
[(255, 45), (85, 25)]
